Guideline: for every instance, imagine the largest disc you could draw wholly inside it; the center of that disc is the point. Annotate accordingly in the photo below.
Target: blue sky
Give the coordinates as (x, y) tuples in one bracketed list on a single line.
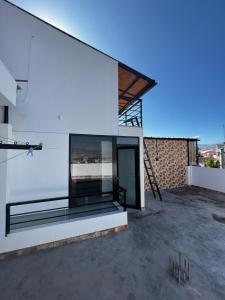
[(179, 43)]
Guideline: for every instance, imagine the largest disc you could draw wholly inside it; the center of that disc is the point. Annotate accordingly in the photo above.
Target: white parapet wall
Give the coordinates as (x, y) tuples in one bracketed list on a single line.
[(210, 178), (56, 232)]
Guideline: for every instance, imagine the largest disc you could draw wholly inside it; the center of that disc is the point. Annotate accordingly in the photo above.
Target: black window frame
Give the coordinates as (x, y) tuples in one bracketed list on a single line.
[(115, 146)]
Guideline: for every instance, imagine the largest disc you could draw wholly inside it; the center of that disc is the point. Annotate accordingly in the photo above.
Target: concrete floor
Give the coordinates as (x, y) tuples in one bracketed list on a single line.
[(132, 264)]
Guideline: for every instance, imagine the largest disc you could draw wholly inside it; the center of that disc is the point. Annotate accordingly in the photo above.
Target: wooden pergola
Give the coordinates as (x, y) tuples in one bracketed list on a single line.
[(132, 86)]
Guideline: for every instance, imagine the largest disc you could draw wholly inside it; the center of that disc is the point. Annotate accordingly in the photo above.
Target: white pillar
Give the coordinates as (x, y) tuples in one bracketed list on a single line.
[(5, 132), (189, 175), (142, 177)]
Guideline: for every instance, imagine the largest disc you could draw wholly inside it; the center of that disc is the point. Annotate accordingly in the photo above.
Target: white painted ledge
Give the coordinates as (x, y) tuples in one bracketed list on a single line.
[(56, 232), (130, 131)]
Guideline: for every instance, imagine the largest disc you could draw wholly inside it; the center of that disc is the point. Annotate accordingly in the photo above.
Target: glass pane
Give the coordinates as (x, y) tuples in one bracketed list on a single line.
[(127, 141), (126, 171), (91, 165)]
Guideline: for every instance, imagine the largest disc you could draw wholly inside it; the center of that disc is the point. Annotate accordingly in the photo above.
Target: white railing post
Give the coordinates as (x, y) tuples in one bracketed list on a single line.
[(189, 175)]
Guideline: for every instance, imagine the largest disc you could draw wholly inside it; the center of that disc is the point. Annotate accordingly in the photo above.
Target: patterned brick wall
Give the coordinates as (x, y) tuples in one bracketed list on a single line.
[(172, 160)]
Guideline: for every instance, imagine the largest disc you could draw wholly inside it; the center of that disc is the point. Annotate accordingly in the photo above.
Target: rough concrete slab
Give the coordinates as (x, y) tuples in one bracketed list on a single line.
[(132, 264)]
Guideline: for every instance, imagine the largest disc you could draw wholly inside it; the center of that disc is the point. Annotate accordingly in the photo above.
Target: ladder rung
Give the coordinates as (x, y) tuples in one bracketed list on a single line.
[(149, 167), (151, 176)]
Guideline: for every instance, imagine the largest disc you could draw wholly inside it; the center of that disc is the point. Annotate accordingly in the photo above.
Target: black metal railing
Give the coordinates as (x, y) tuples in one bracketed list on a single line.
[(132, 115), (121, 196), (117, 195)]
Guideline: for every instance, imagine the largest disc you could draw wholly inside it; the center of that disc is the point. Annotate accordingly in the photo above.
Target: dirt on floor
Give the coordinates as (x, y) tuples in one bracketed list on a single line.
[(133, 264)]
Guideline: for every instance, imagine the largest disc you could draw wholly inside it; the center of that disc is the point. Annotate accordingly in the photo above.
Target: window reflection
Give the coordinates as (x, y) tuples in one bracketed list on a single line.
[(91, 165)]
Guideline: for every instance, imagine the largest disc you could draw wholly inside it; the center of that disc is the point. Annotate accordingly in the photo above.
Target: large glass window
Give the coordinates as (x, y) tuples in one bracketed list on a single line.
[(91, 165)]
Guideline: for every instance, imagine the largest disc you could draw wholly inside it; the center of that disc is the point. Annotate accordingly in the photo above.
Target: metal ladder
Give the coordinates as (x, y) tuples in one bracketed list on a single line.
[(150, 173)]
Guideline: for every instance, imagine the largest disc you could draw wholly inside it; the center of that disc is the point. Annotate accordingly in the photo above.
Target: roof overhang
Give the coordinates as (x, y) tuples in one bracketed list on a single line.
[(171, 138), (132, 85)]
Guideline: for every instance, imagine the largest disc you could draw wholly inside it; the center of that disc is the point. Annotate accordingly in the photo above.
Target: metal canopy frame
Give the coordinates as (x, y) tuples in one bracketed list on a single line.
[(132, 86)]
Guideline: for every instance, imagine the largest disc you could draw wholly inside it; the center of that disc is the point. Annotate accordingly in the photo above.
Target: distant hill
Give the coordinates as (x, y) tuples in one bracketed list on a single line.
[(207, 146)]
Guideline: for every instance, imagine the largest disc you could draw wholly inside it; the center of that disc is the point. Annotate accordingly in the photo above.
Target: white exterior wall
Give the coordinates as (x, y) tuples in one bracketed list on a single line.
[(6, 132), (71, 88), (45, 175), (65, 77), (8, 86), (210, 178), (1, 114)]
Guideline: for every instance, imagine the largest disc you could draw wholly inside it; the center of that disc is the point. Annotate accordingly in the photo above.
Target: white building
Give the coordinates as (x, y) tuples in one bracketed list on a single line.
[(220, 155), (83, 106)]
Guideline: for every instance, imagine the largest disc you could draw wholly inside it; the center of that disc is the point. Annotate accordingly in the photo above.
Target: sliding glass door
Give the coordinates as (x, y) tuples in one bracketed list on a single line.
[(128, 174)]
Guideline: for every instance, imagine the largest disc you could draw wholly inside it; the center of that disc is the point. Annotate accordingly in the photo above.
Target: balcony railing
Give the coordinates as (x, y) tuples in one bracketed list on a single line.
[(103, 202), (132, 115)]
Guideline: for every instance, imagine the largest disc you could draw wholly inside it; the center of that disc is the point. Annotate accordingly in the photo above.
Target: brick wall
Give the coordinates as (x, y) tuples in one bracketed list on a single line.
[(172, 160)]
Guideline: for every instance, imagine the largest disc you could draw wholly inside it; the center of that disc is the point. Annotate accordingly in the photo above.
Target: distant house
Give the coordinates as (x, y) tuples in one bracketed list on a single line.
[(209, 153), (84, 107)]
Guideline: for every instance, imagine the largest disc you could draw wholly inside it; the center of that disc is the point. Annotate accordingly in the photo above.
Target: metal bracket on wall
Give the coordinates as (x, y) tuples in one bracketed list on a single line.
[(16, 146)]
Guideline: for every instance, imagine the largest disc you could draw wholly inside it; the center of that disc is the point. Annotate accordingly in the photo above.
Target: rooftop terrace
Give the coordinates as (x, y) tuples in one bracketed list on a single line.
[(132, 264)]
